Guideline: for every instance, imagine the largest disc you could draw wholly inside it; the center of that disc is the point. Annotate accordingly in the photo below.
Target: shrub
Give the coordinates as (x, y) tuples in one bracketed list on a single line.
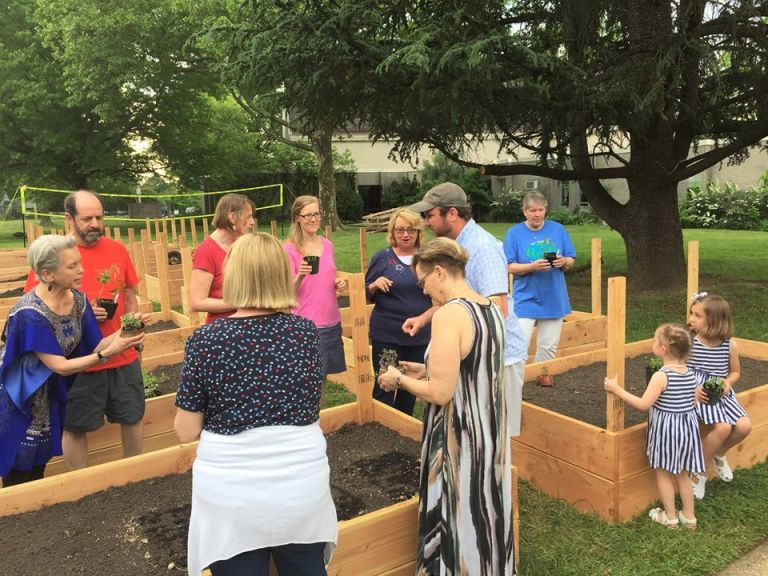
[(727, 207), (349, 203), (401, 192), (507, 206), (573, 217)]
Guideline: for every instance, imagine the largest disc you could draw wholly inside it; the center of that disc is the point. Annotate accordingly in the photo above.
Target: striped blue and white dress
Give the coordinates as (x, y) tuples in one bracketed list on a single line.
[(674, 442), (715, 361)]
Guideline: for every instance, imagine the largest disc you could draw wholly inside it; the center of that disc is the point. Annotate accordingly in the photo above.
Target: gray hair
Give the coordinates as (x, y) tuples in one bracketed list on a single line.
[(43, 253), (534, 198)]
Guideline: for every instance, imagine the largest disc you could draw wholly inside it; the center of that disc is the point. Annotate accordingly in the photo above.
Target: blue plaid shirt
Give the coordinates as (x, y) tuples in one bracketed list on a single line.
[(487, 274)]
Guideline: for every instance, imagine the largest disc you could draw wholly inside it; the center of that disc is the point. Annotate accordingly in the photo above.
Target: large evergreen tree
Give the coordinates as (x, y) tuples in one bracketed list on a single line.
[(568, 81)]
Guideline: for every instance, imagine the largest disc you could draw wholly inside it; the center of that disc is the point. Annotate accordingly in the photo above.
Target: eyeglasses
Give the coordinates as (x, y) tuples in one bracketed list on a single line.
[(399, 230), (420, 281), (310, 216)]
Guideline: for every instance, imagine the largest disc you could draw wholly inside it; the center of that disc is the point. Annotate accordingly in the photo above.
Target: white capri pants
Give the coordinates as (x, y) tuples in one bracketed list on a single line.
[(548, 336)]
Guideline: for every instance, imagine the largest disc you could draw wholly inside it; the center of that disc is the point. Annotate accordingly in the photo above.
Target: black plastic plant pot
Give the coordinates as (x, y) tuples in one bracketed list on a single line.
[(109, 305), (649, 372), (713, 396)]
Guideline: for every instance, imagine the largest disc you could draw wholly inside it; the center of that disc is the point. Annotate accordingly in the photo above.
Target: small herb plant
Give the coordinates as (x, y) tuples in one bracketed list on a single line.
[(131, 323), (714, 386), (655, 363), (151, 383)]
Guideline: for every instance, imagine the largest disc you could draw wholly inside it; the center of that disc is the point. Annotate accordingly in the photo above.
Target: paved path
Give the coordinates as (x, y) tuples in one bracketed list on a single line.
[(753, 564)]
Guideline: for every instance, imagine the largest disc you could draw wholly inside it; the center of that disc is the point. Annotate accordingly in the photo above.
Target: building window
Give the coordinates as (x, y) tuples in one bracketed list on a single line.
[(531, 185), (565, 193)]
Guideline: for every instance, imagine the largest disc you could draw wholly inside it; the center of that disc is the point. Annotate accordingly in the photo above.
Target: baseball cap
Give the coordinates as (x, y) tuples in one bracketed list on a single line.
[(445, 195)]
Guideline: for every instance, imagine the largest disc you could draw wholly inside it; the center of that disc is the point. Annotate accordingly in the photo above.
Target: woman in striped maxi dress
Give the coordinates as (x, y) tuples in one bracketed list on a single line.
[(715, 353), (673, 443), (465, 511)]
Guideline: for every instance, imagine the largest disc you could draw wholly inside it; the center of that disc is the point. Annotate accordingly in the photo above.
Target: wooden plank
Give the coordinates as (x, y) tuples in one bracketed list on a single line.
[(382, 540), (587, 492), (755, 402), (617, 313), (597, 276), (362, 351), (565, 363), (331, 419), (400, 422), (115, 453), (631, 456), (635, 494), (152, 362), (753, 349), (363, 250), (637, 348), (74, 485), (693, 274), (578, 443)]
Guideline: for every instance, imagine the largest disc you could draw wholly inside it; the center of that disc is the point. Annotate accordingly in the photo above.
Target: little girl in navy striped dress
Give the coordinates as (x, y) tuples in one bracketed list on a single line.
[(715, 353), (673, 443)]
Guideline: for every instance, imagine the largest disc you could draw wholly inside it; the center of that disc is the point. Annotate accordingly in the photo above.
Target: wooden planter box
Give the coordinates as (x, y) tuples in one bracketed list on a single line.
[(606, 472), (381, 542)]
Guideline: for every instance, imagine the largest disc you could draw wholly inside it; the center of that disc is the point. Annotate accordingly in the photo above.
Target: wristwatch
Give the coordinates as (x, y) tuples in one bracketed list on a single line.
[(102, 359)]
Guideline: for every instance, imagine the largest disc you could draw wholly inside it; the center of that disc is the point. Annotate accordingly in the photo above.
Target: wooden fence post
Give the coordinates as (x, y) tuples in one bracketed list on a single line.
[(364, 376), (597, 276), (363, 250), (693, 275), (617, 302)]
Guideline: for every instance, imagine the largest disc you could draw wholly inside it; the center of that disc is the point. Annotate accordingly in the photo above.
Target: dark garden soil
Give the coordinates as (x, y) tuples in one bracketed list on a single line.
[(12, 293), (160, 326), (579, 392), (141, 529)]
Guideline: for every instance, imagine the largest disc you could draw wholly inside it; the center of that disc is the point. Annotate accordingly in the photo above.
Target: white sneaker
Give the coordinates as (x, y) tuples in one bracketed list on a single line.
[(699, 486), (723, 468)]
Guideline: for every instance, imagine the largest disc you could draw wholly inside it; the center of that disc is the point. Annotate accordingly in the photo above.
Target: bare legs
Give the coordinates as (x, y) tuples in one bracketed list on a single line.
[(75, 444), (667, 484)]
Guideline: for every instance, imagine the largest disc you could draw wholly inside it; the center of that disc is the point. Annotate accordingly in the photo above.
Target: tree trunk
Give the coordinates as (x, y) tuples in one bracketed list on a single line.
[(653, 236), (322, 146)]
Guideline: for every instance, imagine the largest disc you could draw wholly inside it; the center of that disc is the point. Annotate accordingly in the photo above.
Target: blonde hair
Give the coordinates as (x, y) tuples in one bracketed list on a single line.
[(676, 338), (228, 204), (43, 253), (717, 311), (294, 234), (257, 274), (413, 220), (444, 252)]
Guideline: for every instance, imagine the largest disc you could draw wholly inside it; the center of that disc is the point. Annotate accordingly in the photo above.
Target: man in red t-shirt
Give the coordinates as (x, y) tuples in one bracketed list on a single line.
[(115, 387)]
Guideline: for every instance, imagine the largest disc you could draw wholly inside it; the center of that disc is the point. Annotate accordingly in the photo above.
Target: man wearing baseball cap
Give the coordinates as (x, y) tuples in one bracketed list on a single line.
[(447, 212)]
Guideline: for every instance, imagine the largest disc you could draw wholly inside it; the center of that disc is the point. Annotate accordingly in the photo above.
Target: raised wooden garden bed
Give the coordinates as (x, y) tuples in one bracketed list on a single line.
[(605, 470)]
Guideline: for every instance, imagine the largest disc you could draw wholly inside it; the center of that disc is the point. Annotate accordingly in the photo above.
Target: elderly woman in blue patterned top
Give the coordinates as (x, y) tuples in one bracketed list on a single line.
[(250, 391), (50, 336)]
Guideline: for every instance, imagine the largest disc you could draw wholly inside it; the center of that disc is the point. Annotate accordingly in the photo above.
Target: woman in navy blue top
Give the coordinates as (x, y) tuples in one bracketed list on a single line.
[(250, 391), (401, 313)]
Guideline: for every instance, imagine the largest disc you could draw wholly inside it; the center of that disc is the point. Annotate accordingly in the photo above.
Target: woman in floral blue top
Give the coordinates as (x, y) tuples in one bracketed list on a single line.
[(401, 313), (250, 391)]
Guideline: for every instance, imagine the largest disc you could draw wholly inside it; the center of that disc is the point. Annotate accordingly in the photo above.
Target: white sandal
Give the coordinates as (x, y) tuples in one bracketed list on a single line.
[(690, 523), (658, 515), (723, 468)]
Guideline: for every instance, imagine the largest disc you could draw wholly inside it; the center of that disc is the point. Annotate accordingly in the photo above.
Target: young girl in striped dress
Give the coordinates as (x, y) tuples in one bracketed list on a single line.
[(673, 442), (715, 353)]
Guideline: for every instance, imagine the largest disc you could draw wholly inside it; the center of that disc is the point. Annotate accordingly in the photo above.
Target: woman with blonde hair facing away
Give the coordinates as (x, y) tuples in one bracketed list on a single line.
[(233, 218), (250, 391), (314, 274), (465, 508)]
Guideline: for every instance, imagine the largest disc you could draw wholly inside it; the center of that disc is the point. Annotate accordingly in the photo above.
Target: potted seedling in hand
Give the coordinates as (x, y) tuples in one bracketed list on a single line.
[(714, 386), (654, 365), (130, 325), (389, 358), (109, 277)]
